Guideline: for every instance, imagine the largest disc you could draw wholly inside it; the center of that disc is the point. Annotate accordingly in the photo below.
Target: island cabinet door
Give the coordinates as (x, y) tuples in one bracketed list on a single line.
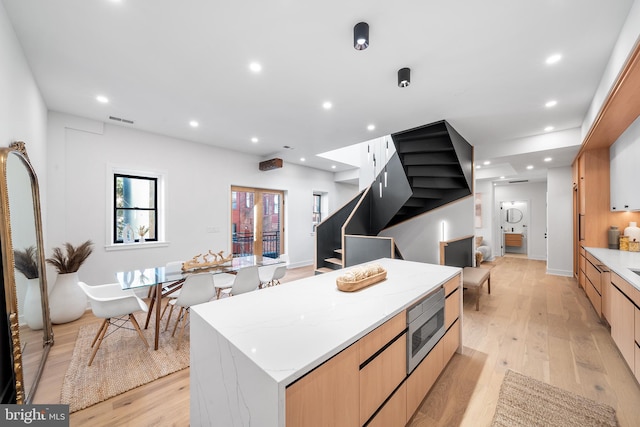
[(637, 346), (328, 395), (383, 364), (622, 320)]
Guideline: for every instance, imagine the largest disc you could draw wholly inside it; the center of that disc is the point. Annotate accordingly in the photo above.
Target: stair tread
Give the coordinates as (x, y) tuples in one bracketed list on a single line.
[(333, 260), (324, 270), (338, 251)]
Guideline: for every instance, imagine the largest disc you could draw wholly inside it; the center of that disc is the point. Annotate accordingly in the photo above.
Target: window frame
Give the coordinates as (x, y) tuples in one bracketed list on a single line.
[(161, 212), (154, 209)]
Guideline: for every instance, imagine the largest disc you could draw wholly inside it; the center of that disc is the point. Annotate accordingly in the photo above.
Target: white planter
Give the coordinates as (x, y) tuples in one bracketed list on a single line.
[(67, 301), (33, 305)]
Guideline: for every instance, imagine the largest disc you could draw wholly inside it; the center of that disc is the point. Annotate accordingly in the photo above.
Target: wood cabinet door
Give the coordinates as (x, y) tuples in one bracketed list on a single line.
[(622, 325), (394, 412), (328, 395), (381, 376)]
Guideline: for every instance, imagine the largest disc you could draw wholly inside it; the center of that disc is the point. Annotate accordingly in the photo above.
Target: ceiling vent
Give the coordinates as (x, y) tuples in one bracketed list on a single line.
[(518, 182), (118, 119)]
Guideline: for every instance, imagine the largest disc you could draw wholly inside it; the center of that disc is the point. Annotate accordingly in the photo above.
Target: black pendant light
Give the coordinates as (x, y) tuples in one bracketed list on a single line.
[(361, 36), (404, 77)]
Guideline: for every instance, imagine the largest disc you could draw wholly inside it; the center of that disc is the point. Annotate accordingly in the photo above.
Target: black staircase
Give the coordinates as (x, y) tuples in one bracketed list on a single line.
[(438, 163), (432, 166)]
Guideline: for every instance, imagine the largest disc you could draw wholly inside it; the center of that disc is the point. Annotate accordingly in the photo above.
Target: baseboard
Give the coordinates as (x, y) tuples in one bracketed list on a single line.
[(563, 273)]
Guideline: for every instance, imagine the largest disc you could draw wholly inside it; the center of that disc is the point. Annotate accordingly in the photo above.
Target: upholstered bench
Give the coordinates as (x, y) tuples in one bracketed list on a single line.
[(473, 277)]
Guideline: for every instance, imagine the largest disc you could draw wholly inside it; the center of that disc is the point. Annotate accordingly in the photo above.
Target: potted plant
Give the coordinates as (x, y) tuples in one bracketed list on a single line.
[(142, 231), (26, 262), (67, 300)]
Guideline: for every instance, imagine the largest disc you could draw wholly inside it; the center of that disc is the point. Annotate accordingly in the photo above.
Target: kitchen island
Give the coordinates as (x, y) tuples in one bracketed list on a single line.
[(246, 350)]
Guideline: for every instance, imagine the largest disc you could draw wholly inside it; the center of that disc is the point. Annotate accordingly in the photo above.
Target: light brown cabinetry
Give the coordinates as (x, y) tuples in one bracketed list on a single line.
[(394, 412), (605, 283), (593, 286), (381, 376), (423, 377), (327, 396), (513, 239), (622, 319), (637, 347), (367, 383)]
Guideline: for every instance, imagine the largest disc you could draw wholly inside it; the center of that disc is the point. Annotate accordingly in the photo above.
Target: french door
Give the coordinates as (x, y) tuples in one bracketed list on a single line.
[(257, 221)]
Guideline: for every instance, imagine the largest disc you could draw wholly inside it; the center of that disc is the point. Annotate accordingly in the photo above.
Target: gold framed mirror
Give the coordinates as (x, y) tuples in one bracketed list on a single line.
[(27, 325)]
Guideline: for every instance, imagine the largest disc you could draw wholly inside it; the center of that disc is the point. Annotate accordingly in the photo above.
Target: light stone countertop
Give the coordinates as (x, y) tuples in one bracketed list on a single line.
[(620, 262), (289, 329)]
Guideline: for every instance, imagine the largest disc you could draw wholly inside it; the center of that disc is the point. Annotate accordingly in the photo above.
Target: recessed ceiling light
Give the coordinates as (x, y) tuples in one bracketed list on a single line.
[(255, 67), (194, 124), (478, 166), (254, 140), (551, 103), (502, 177), (327, 105), (302, 159), (553, 59), (547, 159), (486, 162), (102, 99), (549, 128), (530, 167), (333, 166), (371, 127)]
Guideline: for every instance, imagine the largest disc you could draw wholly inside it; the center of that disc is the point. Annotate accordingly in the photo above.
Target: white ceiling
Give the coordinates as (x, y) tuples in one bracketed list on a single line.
[(478, 64)]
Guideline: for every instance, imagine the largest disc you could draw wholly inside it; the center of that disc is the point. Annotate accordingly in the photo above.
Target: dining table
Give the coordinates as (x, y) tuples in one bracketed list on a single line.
[(164, 282)]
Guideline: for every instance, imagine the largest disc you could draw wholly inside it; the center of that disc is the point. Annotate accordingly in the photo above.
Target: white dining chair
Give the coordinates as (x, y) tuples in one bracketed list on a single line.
[(196, 289), (246, 280), (223, 281), (270, 275), (116, 306)]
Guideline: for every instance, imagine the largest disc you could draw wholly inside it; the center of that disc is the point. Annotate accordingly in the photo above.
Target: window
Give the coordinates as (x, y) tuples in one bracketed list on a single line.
[(317, 209), (135, 206)]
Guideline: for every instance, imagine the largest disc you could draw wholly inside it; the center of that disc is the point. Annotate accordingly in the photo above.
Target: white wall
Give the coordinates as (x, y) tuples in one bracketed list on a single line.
[(535, 194), (419, 238), (629, 36), (199, 179), (559, 221), (23, 115)]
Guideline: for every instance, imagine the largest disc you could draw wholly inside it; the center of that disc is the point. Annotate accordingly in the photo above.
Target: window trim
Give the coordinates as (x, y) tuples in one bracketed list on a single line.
[(161, 220), (154, 209)]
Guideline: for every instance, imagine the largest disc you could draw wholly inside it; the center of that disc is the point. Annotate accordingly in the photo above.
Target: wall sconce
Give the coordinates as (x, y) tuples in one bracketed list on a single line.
[(361, 36)]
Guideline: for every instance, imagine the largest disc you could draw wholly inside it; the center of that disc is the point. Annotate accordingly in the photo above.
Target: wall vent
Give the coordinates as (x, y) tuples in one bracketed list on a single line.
[(517, 182), (118, 119)]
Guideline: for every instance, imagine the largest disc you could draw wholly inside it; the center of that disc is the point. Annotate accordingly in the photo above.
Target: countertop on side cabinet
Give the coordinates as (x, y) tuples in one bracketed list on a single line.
[(289, 329), (620, 262)]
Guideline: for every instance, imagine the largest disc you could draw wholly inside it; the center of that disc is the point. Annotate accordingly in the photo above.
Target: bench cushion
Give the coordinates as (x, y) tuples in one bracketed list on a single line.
[(472, 277)]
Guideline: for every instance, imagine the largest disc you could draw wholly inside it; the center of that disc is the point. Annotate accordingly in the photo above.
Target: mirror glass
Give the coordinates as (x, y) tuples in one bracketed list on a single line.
[(514, 215), (33, 325)]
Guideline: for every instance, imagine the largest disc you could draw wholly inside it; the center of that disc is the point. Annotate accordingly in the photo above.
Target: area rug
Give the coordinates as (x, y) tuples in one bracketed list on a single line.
[(121, 364), (524, 401)]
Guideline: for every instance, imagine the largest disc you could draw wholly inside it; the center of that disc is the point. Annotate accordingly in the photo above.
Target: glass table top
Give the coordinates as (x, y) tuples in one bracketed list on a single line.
[(157, 275)]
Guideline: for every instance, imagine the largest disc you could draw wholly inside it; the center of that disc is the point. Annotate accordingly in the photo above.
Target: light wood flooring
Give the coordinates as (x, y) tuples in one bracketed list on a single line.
[(533, 323)]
